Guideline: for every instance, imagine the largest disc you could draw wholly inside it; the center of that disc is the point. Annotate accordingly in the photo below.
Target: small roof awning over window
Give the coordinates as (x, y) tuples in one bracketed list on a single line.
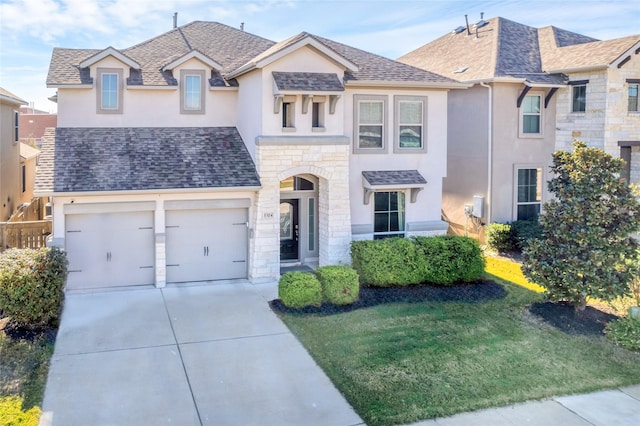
[(390, 180), (307, 82)]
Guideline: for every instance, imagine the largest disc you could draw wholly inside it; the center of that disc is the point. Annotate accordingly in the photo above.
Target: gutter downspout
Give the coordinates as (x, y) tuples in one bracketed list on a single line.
[(490, 149)]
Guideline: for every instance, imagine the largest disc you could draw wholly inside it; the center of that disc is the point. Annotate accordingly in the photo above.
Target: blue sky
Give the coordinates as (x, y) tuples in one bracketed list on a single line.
[(30, 29)]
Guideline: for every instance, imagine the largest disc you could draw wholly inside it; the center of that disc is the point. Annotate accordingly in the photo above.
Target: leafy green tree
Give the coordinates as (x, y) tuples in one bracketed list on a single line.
[(586, 243)]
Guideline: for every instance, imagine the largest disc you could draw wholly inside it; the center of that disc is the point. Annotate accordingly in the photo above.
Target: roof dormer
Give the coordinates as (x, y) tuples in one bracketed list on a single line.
[(194, 54), (109, 51)]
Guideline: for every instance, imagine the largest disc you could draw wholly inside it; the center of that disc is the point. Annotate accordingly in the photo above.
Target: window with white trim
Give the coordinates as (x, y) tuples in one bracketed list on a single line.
[(579, 98), (370, 123), (192, 91), (633, 97), (109, 91), (388, 214), (410, 123), (531, 115), (528, 193)]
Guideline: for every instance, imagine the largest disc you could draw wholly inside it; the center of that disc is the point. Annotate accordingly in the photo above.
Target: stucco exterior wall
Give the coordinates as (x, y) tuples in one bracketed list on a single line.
[(425, 213), (30, 173), (9, 161), (467, 155), (146, 107), (302, 60), (249, 109), (512, 150)]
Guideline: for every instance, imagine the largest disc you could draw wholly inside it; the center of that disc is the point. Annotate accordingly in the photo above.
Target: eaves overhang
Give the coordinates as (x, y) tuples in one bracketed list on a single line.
[(408, 84), (110, 51), (51, 193)]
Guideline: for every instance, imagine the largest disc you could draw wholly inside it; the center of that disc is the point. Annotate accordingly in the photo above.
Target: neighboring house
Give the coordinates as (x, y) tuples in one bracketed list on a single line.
[(504, 129), (9, 153), (208, 153), (33, 124), (28, 163), (600, 104), (501, 131)]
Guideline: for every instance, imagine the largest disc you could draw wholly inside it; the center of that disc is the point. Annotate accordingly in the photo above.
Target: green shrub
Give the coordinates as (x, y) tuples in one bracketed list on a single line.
[(499, 237), (387, 262), (299, 290), (523, 231), (31, 283), (404, 261), (340, 284), (449, 259), (625, 332)]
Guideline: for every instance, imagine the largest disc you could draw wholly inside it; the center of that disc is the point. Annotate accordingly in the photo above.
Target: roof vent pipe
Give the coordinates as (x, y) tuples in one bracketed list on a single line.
[(175, 20), (466, 19), (241, 26), (481, 16)]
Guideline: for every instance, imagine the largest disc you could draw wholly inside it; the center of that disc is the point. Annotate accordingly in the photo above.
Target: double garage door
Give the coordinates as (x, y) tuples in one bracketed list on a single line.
[(118, 249)]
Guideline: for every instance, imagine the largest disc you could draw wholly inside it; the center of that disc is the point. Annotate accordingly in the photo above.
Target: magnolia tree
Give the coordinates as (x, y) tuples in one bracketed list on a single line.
[(586, 246)]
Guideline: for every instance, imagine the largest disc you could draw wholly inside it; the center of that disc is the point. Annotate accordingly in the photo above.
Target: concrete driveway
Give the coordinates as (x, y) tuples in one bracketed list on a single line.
[(192, 355)]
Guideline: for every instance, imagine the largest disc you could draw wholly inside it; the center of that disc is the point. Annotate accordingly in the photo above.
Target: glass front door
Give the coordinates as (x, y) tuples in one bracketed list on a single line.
[(289, 230)]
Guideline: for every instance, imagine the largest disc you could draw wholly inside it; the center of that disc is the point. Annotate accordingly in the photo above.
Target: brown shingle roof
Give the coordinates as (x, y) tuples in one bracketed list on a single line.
[(558, 57), (312, 81), (229, 47), (505, 48)]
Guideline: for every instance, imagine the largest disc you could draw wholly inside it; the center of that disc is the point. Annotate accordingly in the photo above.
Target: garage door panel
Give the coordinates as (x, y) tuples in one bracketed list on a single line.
[(110, 249), (204, 245)]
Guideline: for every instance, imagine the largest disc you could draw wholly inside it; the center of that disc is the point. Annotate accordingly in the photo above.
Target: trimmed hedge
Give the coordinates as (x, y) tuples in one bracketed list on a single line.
[(499, 237), (450, 259), (31, 283), (340, 285), (404, 261), (506, 237), (387, 262), (299, 290)]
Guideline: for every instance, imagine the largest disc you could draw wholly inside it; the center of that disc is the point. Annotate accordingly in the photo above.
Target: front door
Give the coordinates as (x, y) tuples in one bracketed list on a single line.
[(289, 230)]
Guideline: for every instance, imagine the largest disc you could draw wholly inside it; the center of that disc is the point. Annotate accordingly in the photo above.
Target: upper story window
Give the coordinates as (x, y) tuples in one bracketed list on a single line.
[(579, 98), (411, 119), (529, 193), (109, 91), (288, 114), (532, 115), (370, 123), (16, 126), (192, 85), (633, 97), (317, 115)]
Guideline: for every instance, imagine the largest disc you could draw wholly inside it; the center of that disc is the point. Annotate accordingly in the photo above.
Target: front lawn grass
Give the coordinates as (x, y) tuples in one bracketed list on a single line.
[(24, 363), (404, 362)]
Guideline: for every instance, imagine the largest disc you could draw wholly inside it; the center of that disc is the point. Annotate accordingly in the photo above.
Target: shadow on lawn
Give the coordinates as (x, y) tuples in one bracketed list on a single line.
[(479, 291)]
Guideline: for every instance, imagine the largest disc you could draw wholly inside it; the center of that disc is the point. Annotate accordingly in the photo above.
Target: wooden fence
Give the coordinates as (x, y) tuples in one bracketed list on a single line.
[(31, 234)]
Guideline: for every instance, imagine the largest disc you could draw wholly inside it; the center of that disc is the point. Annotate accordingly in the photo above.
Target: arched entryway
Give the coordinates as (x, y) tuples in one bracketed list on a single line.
[(299, 220)]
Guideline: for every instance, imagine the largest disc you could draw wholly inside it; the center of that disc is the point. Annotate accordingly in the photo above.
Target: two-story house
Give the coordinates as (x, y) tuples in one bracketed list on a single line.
[(534, 91), (208, 153), (600, 104), (10, 171), (501, 131)]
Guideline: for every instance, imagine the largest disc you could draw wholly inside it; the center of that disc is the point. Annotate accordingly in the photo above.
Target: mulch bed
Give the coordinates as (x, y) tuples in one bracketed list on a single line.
[(563, 316), (30, 334), (479, 291)]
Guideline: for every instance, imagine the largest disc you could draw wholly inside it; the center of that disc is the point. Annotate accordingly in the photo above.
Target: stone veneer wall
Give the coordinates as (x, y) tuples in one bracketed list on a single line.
[(277, 159), (586, 126)]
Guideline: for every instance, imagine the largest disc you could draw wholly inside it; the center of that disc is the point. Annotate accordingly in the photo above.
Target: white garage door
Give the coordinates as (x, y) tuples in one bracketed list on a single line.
[(110, 249), (206, 244)]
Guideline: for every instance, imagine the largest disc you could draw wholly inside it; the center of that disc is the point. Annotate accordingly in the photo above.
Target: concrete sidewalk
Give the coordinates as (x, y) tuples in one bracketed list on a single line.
[(619, 407), (192, 355)]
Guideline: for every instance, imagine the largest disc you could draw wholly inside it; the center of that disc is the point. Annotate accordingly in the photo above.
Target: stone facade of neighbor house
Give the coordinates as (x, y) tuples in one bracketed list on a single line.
[(10, 174), (526, 75), (600, 103), (208, 153)]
